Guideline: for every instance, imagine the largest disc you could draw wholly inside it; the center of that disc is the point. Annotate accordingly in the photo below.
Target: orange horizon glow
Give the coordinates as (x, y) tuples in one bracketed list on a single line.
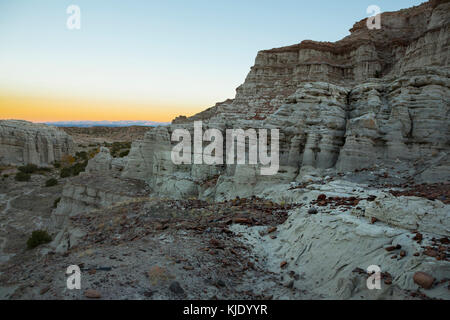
[(36, 108)]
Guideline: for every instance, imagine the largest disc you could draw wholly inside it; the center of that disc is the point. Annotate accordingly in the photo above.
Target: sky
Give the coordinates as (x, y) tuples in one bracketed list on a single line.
[(149, 60)]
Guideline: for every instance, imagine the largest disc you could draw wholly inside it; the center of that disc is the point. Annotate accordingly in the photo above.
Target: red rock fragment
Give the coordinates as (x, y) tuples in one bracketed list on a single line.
[(431, 253), (418, 237), (242, 220), (44, 290), (423, 279), (283, 264), (92, 294), (271, 230)]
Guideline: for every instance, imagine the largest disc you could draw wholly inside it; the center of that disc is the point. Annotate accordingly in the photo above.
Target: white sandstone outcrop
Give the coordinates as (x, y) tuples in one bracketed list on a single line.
[(325, 248), (102, 162), (23, 142)]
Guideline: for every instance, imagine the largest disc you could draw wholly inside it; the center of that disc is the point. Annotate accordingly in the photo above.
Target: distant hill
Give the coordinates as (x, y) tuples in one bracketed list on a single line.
[(123, 123)]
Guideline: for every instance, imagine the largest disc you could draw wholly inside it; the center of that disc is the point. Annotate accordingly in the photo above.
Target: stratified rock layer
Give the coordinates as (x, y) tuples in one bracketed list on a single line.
[(373, 98), (23, 142)]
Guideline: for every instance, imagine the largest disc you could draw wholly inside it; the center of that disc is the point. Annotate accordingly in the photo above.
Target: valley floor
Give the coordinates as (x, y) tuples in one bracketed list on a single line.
[(314, 243)]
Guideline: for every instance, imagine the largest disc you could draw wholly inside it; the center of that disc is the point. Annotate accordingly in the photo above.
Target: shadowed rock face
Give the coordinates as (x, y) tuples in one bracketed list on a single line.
[(374, 97), (23, 142)]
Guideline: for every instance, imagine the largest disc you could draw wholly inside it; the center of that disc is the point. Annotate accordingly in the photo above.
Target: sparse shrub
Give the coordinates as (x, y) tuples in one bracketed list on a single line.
[(78, 168), (32, 168), (22, 176), (124, 153), (67, 160), (51, 182), (81, 155), (93, 153), (37, 238), (74, 170), (117, 148), (66, 172), (57, 165), (378, 74), (5, 176), (29, 168), (55, 203)]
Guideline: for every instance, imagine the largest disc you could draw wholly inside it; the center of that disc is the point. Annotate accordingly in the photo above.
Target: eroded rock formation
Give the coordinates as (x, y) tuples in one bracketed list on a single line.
[(23, 142), (374, 97)]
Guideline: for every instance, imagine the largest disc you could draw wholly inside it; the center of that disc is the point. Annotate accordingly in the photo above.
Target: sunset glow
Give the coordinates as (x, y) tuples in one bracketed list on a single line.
[(148, 60), (48, 109)]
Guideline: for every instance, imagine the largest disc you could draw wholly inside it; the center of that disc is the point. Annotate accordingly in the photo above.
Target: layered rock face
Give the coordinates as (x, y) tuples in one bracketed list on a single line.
[(23, 142), (406, 118), (372, 98)]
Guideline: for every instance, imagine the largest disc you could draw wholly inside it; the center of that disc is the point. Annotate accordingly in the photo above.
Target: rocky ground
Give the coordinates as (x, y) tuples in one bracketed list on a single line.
[(24, 206), (309, 240)]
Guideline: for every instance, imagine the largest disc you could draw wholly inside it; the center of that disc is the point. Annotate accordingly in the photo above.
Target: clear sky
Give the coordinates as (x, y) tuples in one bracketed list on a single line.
[(149, 60)]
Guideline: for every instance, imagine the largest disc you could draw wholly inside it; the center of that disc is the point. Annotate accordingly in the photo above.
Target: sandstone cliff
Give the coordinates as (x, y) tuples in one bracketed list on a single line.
[(372, 98), (23, 142)]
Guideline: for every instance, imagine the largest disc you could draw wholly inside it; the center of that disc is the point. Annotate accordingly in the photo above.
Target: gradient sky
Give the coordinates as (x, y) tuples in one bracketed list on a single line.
[(149, 60)]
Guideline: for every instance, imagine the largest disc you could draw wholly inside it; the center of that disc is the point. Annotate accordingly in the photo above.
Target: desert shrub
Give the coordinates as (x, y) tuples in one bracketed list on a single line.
[(37, 238), (22, 176), (66, 172), (377, 74), (67, 160), (29, 168), (93, 153), (32, 168), (5, 176), (116, 148), (51, 182), (124, 153), (81, 155), (78, 168), (55, 203), (57, 165), (74, 170)]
